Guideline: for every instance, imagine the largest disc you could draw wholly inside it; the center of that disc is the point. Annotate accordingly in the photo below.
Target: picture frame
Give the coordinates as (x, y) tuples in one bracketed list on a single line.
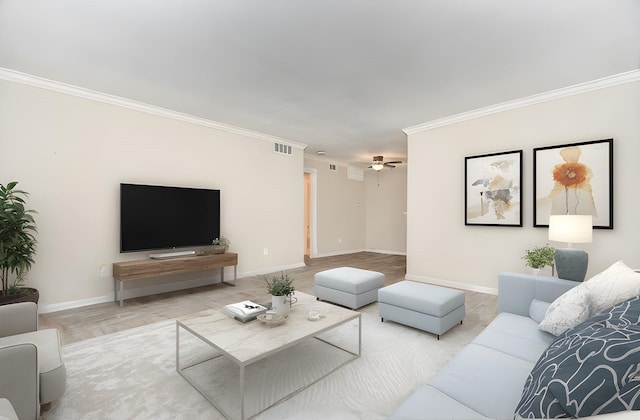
[(574, 178), (493, 189)]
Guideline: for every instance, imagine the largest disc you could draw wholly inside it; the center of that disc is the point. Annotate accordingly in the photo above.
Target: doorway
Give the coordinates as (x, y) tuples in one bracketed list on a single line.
[(310, 182)]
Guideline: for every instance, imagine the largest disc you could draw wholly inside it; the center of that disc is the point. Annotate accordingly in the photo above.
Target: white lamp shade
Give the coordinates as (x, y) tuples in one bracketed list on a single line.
[(571, 228), (377, 166)]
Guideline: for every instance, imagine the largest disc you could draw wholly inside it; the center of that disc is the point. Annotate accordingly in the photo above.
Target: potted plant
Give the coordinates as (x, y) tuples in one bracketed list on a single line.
[(281, 290), (17, 245), (220, 245), (539, 257)]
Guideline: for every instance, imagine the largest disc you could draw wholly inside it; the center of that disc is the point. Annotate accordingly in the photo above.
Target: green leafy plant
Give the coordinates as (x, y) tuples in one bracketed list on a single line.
[(221, 241), (17, 237), (539, 257), (281, 285)]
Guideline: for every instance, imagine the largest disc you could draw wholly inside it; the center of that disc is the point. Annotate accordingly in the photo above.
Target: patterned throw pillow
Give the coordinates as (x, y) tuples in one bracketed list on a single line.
[(593, 368)]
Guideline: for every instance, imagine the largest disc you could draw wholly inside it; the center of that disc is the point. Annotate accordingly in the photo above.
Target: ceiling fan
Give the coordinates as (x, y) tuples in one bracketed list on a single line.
[(379, 163)]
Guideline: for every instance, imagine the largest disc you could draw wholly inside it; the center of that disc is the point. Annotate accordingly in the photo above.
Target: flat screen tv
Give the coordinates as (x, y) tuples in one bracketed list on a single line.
[(162, 217)]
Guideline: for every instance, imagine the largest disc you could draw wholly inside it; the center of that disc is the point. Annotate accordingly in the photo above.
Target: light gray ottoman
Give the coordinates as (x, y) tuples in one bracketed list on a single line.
[(427, 307), (350, 287)]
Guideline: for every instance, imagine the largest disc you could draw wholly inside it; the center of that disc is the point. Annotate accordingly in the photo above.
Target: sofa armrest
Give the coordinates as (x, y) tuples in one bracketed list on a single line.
[(516, 291), (20, 380), (18, 318)]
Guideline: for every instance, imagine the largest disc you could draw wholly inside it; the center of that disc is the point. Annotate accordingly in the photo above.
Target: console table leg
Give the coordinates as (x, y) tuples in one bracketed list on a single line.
[(121, 293)]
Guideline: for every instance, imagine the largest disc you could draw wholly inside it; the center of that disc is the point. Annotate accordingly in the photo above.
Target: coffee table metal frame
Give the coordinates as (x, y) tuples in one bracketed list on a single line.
[(203, 330)]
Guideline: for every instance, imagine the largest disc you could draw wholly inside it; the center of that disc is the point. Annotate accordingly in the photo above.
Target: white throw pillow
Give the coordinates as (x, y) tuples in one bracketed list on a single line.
[(570, 309), (614, 285)]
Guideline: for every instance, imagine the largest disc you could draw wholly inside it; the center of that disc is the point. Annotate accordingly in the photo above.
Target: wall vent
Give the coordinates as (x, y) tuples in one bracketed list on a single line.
[(283, 149), (355, 173), (332, 167)]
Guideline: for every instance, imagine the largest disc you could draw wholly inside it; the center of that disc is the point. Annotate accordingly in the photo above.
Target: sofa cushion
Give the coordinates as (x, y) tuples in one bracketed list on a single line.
[(538, 309), (427, 399), (487, 381), (593, 368), (515, 335)]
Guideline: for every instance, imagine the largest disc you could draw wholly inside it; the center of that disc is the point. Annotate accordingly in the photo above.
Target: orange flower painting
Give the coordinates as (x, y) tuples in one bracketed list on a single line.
[(572, 182), (574, 179)]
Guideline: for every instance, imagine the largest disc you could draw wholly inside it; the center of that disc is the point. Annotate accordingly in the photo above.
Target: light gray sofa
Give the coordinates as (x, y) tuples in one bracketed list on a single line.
[(32, 371), (485, 380)]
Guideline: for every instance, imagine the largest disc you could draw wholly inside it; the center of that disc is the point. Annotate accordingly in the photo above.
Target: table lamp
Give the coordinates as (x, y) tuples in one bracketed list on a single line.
[(571, 263)]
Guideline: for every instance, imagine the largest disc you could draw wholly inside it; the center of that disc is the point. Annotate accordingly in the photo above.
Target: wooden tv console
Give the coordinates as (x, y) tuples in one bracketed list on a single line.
[(142, 269)]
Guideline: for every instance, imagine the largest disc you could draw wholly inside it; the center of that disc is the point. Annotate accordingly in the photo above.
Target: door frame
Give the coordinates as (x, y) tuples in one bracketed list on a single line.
[(313, 212)]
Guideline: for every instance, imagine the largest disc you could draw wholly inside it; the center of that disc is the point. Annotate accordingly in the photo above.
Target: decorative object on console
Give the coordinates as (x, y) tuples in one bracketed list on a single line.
[(493, 193), (571, 264), (539, 257), (220, 245), (574, 179), (281, 290), (18, 245)]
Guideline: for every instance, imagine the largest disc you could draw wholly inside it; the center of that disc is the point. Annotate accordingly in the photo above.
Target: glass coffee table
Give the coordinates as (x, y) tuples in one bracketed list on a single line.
[(243, 369)]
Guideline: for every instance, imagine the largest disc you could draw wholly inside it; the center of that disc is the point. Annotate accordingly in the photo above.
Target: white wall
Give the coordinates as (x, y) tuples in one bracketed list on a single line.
[(340, 210), (71, 154), (441, 247), (354, 216), (386, 202)]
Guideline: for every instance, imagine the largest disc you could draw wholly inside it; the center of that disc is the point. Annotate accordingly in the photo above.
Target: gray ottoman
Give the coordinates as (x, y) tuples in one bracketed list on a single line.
[(350, 287), (430, 308)]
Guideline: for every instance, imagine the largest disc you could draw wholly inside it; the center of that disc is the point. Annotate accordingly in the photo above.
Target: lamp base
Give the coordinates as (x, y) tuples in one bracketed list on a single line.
[(571, 263)]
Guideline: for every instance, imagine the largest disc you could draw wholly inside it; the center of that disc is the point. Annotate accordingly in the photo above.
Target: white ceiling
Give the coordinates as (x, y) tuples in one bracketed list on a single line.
[(345, 76)]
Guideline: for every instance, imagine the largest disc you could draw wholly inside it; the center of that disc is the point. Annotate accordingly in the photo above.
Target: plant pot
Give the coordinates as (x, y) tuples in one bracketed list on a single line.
[(535, 271), (218, 249), (280, 305), (28, 294)]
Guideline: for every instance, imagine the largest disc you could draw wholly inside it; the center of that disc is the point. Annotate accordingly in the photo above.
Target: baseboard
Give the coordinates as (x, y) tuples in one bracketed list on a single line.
[(384, 251), (454, 284), (157, 289), (355, 251)]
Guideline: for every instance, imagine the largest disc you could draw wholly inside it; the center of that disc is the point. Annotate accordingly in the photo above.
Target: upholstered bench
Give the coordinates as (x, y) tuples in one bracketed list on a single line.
[(427, 307), (347, 286)]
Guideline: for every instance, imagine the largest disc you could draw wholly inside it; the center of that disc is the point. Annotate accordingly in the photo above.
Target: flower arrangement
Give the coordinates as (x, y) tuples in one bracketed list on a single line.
[(539, 257)]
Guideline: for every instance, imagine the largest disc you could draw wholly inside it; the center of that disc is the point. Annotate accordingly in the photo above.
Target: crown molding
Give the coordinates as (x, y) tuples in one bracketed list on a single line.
[(52, 85), (618, 79)]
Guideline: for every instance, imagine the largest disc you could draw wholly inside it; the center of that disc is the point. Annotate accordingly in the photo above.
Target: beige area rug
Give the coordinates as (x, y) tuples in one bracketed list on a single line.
[(131, 375)]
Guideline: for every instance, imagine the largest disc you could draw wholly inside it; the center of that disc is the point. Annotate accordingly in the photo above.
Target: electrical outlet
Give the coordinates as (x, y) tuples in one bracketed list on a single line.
[(105, 271)]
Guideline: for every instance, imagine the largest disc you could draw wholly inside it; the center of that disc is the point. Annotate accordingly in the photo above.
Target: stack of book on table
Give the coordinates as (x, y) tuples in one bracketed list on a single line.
[(244, 311)]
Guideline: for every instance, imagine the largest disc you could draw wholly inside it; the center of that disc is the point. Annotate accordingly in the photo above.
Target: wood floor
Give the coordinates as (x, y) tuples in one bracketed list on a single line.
[(96, 320)]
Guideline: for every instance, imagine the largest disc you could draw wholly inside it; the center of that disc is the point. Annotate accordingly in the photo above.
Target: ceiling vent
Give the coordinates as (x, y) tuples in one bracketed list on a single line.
[(283, 149)]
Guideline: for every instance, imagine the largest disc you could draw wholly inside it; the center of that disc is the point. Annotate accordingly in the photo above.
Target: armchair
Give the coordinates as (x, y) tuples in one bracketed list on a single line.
[(32, 371)]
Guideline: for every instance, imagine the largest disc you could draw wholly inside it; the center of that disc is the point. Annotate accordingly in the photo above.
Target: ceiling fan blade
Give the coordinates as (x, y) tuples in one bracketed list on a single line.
[(389, 165), (395, 162)]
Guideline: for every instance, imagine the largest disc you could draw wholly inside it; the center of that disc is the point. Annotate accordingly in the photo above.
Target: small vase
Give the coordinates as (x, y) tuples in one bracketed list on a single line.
[(536, 271), (280, 304), (218, 249)]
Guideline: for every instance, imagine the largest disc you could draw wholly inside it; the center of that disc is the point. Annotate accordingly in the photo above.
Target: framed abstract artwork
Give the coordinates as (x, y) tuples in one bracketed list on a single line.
[(492, 189), (574, 178)]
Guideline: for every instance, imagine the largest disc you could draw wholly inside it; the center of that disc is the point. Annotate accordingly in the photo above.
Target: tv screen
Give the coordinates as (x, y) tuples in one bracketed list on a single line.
[(162, 217)]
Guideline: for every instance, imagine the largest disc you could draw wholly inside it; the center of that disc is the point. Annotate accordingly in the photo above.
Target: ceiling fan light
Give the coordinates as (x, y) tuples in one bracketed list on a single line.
[(377, 166)]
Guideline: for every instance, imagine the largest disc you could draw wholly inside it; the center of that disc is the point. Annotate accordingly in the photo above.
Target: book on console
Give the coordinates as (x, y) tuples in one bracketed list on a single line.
[(244, 311)]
